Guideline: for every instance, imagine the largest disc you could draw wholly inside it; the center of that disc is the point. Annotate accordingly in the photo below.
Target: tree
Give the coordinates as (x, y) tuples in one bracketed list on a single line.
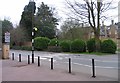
[(7, 26), (72, 29), (46, 21), (92, 12), (18, 35), (27, 18)]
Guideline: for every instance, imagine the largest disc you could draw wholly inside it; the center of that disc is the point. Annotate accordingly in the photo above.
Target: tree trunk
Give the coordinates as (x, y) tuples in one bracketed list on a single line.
[(97, 42)]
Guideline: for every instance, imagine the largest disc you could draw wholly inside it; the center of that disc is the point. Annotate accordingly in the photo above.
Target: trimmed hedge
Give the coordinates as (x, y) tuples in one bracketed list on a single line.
[(54, 42), (54, 49), (28, 48), (108, 46), (78, 46), (65, 45), (41, 43), (91, 46)]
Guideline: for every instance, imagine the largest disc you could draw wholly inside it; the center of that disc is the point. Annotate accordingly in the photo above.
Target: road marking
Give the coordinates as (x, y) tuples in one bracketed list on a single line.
[(53, 60), (97, 60), (91, 66)]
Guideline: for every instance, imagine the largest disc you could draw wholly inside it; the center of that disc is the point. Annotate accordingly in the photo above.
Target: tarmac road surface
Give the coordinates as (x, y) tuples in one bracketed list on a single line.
[(104, 65)]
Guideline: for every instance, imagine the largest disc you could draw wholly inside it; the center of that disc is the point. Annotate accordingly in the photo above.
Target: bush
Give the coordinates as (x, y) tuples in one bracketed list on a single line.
[(78, 46), (29, 48), (108, 46), (65, 46), (54, 49), (54, 42), (91, 47), (16, 48), (41, 43)]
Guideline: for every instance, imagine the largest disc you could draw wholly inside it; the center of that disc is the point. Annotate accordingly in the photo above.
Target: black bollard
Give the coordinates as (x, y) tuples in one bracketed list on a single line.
[(38, 60), (51, 63), (19, 57), (28, 59), (12, 56), (69, 65), (93, 68)]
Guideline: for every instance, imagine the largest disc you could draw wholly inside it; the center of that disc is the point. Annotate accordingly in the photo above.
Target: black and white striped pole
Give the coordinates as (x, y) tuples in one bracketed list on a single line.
[(33, 45), (33, 34)]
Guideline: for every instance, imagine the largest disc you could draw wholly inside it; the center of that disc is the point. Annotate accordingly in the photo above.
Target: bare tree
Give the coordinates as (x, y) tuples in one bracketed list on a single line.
[(18, 35), (92, 12)]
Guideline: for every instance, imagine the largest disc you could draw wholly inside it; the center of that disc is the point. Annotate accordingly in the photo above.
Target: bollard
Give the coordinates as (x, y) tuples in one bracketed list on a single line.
[(38, 60), (93, 68), (51, 63), (19, 57), (69, 65), (28, 59), (12, 56)]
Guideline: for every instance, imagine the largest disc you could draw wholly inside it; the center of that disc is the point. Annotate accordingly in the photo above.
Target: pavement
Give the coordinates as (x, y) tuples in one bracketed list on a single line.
[(21, 71)]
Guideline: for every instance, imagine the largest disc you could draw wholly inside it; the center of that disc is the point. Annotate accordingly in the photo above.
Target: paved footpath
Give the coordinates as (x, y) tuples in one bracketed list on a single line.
[(21, 71)]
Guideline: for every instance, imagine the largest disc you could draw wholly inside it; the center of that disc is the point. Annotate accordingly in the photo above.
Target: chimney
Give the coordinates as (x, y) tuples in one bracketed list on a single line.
[(102, 23), (112, 22), (31, 0)]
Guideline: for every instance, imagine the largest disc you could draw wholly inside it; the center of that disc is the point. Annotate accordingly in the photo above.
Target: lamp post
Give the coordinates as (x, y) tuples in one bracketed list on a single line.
[(33, 34)]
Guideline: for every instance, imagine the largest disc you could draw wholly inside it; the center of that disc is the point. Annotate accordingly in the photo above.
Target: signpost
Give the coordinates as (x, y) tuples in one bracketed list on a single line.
[(7, 37), (6, 46)]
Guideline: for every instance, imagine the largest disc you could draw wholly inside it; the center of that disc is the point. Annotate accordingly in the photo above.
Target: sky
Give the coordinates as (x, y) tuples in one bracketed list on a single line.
[(12, 9)]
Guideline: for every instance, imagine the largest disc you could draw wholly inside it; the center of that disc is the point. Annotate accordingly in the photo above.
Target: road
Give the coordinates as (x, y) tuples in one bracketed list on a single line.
[(104, 65)]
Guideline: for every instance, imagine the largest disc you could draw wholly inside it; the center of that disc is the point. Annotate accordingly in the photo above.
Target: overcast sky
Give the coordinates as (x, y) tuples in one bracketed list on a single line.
[(12, 9)]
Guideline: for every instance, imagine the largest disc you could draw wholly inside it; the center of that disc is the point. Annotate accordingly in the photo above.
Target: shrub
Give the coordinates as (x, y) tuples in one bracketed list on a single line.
[(41, 43), (91, 47), (108, 46), (22, 48), (65, 46), (16, 47), (78, 46), (54, 49), (54, 42), (29, 48)]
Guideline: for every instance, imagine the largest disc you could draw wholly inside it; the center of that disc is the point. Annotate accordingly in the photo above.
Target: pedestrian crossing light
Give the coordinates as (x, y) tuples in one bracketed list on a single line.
[(35, 28)]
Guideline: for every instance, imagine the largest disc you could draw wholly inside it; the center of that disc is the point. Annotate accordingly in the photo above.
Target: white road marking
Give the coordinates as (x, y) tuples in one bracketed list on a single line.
[(91, 66), (53, 60), (97, 60)]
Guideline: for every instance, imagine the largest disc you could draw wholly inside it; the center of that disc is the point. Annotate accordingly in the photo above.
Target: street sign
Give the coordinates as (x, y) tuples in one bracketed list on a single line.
[(7, 37)]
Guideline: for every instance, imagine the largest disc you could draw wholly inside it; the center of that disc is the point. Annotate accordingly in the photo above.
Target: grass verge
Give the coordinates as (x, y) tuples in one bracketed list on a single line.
[(92, 53)]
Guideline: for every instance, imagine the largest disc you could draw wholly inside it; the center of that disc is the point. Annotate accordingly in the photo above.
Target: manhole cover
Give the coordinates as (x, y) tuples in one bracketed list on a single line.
[(19, 65)]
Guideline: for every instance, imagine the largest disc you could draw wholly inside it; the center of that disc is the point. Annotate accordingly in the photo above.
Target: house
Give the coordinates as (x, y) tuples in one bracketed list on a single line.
[(109, 31)]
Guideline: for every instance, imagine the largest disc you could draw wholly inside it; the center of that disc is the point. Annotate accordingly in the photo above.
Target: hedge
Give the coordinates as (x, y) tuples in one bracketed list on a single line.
[(65, 45), (78, 46), (41, 43), (54, 42), (108, 46)]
